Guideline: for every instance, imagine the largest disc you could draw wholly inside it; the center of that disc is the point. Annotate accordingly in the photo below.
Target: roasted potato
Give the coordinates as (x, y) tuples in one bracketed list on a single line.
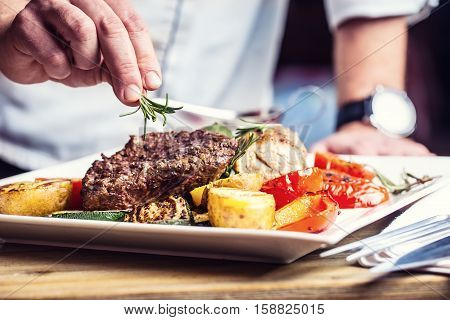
[(244, 181), (234, 208), (37, 198)]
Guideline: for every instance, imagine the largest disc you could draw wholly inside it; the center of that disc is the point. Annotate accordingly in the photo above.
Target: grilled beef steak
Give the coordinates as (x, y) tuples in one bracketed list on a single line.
[(163, 164)]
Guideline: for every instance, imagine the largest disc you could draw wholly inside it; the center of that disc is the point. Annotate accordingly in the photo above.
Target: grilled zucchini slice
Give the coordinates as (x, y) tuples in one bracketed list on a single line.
[(162, 212), (172, 211)]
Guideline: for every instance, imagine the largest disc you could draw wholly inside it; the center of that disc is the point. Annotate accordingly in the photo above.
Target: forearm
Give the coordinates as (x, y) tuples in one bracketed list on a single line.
[(8, 10), (368, 52)]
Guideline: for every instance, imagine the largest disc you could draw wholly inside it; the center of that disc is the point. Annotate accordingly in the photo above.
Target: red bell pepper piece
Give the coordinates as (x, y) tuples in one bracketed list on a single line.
[(289, 187), (310, 213)]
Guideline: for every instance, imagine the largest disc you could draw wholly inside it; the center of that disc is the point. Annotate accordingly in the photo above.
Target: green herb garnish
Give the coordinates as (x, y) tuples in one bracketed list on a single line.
[(219, 128), (114, 216), (409, 181), (150, 109), (111, 215), (246, 137), (244, 143)]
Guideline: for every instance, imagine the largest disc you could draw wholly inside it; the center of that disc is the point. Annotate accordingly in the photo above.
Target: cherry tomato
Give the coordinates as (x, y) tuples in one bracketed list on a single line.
[(326, 160), (310, 213), (353, 192), (289, 187)]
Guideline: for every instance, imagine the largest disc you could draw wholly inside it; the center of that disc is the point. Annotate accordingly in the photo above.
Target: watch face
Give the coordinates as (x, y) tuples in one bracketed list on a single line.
[(393, 113)]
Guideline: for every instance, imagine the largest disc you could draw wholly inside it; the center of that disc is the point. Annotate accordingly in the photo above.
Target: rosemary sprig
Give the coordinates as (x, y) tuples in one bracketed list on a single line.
[(244, 143), (246, 137), (150, 109), (406, 184)]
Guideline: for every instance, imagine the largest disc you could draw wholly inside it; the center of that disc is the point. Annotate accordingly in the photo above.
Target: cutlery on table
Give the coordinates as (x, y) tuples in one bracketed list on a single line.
[(403, 234), (434, 232), (424, 256)]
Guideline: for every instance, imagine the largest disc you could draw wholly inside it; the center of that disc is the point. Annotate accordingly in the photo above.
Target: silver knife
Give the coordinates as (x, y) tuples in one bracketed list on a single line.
[(427, 255)]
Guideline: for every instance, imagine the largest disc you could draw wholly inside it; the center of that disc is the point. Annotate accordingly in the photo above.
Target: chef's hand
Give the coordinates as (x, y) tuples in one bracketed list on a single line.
[(360, 138), (81, 43)]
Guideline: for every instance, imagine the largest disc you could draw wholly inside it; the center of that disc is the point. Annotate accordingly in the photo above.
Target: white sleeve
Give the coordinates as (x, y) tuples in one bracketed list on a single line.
[(340, 10)]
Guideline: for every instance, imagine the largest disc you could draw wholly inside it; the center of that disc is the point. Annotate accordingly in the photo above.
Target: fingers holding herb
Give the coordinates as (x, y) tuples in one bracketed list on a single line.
[(78, 30), (96, 41), (140, 39), (117, 49), (29, 53)]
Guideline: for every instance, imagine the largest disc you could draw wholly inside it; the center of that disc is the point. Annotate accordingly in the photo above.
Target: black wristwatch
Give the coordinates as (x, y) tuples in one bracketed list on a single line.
[(388, 110)]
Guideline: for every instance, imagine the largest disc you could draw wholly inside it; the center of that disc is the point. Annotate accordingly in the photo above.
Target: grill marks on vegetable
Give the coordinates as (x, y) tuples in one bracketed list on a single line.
[(171, 209)]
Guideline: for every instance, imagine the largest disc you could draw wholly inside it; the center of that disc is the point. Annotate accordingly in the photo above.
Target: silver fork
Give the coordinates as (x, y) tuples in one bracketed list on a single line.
[(437, 226)]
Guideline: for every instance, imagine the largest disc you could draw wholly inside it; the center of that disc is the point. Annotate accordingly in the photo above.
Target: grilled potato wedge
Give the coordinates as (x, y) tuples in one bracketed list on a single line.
[(37, 198), (234, 208), (244, 181)]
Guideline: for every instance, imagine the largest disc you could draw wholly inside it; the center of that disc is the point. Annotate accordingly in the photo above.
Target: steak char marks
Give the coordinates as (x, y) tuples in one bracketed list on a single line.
[(169, 163)]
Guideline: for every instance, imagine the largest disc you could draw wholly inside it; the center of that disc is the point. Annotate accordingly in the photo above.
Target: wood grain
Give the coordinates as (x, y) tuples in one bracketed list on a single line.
[(37, 272)]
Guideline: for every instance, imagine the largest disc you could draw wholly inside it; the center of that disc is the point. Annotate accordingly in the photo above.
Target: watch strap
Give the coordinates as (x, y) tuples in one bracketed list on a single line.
[(352, 111)]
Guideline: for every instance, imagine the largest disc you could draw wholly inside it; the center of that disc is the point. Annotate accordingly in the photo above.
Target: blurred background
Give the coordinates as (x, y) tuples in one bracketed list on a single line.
[(428, 77)]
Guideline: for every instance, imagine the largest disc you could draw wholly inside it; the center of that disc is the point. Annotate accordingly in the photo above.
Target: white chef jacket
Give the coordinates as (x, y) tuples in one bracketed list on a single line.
[(219, 53)]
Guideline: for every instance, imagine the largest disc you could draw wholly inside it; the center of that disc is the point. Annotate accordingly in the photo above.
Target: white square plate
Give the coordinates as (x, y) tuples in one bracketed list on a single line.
[(206, 242)]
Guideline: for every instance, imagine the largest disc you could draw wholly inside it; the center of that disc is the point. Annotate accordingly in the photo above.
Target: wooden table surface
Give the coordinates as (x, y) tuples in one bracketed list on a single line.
[(36, 272)]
